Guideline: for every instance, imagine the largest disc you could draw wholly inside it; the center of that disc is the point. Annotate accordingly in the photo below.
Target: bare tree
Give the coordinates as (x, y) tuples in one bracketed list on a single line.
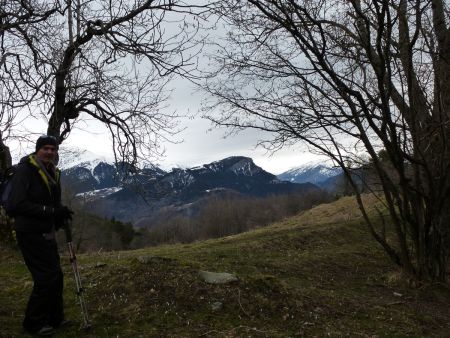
[(108, 61), (17, 61), (350, 78), (15, 17)]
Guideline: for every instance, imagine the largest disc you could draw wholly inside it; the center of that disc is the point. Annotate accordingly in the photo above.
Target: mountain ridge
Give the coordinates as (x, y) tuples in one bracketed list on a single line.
[(115, 193)]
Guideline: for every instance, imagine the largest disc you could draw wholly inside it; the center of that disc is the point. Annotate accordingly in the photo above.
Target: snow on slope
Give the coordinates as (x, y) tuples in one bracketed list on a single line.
[(313, 172), (99, 193), (73, 157)]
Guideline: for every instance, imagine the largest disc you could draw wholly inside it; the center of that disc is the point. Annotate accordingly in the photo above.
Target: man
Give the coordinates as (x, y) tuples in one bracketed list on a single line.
[(35, 204)]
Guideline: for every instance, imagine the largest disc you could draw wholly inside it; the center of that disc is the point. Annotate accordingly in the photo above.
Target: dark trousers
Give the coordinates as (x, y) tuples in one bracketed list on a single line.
[(45, 306)]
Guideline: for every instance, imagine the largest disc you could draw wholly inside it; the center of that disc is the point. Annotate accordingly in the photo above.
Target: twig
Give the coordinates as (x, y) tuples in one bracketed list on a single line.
[(395, 303), (239, 301)]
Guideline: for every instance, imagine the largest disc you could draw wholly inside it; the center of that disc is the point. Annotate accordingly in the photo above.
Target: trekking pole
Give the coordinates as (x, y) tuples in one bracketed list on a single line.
[(80, 291)]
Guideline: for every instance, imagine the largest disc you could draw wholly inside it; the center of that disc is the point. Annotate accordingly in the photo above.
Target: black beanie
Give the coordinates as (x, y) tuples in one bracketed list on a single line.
[(46, 140)]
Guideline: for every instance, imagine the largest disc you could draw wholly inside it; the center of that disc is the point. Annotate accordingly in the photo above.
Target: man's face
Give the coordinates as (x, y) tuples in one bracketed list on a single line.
[(47, 154)]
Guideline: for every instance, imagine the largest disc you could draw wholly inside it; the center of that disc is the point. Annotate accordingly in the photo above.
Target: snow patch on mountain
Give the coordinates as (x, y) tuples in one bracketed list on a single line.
[(245, 167), (96, 194), (214, 166), (313, 172), (179, 178), (74, 157), (216, 189), (83, 175)]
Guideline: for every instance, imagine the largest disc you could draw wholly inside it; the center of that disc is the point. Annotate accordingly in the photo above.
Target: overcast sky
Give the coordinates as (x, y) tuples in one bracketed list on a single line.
[(197, 143)]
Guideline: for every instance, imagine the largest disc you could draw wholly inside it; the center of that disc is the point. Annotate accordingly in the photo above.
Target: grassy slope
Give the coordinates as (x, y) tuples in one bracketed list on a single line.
[(315, 274)]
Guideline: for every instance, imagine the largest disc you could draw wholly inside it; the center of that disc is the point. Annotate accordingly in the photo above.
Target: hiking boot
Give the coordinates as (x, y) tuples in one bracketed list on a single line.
[(46, 330), (63, 323)]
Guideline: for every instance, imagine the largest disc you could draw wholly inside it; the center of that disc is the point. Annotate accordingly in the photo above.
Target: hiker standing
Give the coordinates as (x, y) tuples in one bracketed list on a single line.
[(35, 204)]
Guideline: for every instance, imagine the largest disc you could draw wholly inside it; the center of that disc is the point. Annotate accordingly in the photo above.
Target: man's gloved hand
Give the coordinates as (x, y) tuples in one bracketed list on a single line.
[(63, 213)]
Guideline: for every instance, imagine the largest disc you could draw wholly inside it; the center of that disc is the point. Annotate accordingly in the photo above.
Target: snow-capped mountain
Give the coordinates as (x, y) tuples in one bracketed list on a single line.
[(107, 189), (74, 157), (236, 173), (313, 172), (93, 177)]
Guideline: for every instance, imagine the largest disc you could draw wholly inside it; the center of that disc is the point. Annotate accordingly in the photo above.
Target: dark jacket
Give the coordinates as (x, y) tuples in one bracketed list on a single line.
[(33, 198)]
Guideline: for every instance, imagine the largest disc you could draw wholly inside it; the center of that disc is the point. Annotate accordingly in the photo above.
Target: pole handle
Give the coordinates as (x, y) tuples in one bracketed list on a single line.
[(67, 229)]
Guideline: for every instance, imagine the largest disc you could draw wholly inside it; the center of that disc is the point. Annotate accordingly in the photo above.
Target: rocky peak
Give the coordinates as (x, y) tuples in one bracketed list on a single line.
[(239, 165)]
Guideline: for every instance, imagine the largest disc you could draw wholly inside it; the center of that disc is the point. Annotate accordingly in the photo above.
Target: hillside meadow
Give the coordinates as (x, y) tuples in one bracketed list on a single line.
[(318, 273)]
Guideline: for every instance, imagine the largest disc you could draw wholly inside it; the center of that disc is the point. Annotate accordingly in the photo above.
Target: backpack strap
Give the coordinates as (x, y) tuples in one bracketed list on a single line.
[(44, 176)]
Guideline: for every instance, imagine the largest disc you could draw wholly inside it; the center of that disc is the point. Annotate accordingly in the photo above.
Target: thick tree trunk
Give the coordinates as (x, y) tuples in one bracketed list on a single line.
[(438, 248), (57, 118)]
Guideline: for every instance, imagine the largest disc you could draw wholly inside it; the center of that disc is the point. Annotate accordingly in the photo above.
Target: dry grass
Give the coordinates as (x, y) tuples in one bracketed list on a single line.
[(316, 274)]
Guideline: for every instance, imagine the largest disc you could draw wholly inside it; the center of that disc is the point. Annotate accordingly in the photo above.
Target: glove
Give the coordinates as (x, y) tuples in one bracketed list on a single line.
[(61, 223), (63, 213)]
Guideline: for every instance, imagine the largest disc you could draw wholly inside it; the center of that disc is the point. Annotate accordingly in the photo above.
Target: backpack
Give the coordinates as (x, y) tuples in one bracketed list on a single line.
[(6, 186), (7, 235)]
